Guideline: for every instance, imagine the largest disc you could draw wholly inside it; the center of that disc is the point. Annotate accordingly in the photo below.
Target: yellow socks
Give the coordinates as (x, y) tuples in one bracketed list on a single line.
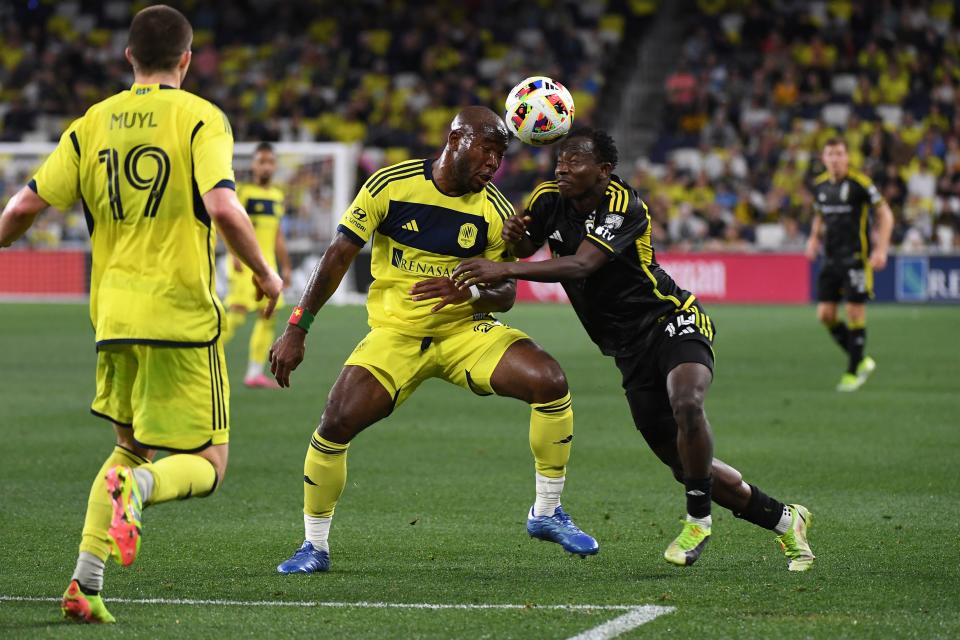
[(178, 477), (260, 340), (551, 434), (324, 476), (99, 509)]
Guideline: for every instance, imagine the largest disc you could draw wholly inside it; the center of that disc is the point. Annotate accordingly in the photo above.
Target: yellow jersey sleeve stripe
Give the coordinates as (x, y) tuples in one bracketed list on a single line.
[(601, 243), (546, 187), (619, 198), (861, 179), (823, 177)]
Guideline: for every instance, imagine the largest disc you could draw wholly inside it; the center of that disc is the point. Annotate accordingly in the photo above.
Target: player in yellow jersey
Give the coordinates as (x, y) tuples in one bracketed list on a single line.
[(264, 203), (152, 167), (428, 215)]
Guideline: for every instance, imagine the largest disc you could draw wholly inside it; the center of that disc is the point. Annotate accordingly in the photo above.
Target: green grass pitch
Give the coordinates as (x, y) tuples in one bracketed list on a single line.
[(436, 496)]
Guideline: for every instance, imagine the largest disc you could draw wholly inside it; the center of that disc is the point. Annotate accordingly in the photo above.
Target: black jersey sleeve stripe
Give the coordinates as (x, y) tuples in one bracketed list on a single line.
[(502, 209), (497, 207), (386, 172), (76, 143), (411, 173), (380, 176), (195, 131), (503, 200)]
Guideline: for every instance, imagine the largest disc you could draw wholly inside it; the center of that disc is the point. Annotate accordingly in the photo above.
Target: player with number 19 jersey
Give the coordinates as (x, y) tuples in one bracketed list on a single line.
[(140, 185)]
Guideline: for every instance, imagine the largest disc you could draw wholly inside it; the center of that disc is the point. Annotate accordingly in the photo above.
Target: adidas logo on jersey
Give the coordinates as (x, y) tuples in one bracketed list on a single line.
[(412, 226), (556, 236)]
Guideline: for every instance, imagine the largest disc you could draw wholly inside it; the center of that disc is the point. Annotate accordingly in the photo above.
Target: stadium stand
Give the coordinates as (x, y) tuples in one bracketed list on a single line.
[(760, 86), (755, 91)]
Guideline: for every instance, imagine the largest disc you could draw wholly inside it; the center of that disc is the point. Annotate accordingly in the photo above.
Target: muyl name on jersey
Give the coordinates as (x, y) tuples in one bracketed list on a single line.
[(132, 119)]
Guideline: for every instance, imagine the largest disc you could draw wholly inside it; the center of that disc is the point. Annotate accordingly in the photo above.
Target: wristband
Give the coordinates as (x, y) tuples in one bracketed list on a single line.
[(474, 293), (301, 318)]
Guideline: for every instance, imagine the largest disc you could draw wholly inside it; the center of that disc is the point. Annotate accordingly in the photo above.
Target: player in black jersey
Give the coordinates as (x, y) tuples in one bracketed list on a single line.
[(842, 199), (599, 231)]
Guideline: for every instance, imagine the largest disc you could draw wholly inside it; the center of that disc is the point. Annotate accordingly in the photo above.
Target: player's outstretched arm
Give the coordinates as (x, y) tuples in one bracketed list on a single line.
[(287, 352), (19, 214), (477, 271), (878, 257), (234, 224)]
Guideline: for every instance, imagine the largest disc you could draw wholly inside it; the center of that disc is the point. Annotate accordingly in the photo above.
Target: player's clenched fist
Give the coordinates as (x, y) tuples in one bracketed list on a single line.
[(287, 353), (515, 229)]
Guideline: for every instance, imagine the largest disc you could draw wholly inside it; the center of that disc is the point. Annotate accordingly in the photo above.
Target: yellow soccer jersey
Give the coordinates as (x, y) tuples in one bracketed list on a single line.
[(419, 233), (139, 162), (264, 205)]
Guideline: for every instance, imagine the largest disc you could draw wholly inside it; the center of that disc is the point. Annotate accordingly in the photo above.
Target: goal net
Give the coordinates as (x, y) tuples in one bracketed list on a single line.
[(52, 261)]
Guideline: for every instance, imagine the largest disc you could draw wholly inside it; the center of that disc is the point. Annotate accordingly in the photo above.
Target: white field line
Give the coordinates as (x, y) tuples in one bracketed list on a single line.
[(634, 617), (357, 605), (630, 620)]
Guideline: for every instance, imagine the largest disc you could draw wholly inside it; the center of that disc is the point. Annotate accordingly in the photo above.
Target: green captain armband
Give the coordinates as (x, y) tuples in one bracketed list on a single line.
[(301, 318)]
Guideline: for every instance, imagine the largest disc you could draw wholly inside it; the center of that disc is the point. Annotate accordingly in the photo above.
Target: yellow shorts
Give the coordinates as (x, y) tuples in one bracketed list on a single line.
[(242, 293), (467, 359), (176, 399)]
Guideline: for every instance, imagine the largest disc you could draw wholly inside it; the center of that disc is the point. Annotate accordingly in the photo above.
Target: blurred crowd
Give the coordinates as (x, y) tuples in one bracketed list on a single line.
[(384, 73), (761, 86), (757, 90)]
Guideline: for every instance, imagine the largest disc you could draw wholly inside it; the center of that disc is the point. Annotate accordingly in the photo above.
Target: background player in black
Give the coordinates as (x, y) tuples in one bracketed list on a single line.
[(599, 229), (842, 199)]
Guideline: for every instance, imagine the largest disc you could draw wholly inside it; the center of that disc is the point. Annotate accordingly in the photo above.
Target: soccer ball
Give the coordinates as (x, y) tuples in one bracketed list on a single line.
[(539, 110)]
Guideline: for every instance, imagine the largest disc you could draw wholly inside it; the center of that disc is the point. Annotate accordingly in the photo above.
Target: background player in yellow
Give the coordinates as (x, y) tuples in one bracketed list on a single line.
[(264, 204), (428, 215), (136, 161)]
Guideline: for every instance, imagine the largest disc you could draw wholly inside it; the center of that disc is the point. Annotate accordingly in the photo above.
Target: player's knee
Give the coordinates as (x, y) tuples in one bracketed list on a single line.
[(687, 409), (551, 384), (827, 316), (335, 427), (125, 439)]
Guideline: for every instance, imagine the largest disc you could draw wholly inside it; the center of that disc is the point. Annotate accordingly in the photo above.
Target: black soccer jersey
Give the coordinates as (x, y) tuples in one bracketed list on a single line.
[(844, 206), (621, 302)]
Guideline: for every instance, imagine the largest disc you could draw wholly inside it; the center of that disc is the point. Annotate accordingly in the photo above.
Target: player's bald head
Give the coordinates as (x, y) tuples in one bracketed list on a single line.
[(482, 122)]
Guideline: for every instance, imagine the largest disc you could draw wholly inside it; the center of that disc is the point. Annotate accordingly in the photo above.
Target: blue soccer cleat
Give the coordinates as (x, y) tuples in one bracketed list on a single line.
[(559, 528), (306, 560)]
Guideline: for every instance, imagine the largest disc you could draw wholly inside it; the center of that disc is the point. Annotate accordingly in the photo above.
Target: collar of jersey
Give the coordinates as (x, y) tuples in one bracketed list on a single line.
[(155, 85)]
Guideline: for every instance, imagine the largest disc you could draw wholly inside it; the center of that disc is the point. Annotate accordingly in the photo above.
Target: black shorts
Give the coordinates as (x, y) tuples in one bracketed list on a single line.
[(684, 336), (851, 281)]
